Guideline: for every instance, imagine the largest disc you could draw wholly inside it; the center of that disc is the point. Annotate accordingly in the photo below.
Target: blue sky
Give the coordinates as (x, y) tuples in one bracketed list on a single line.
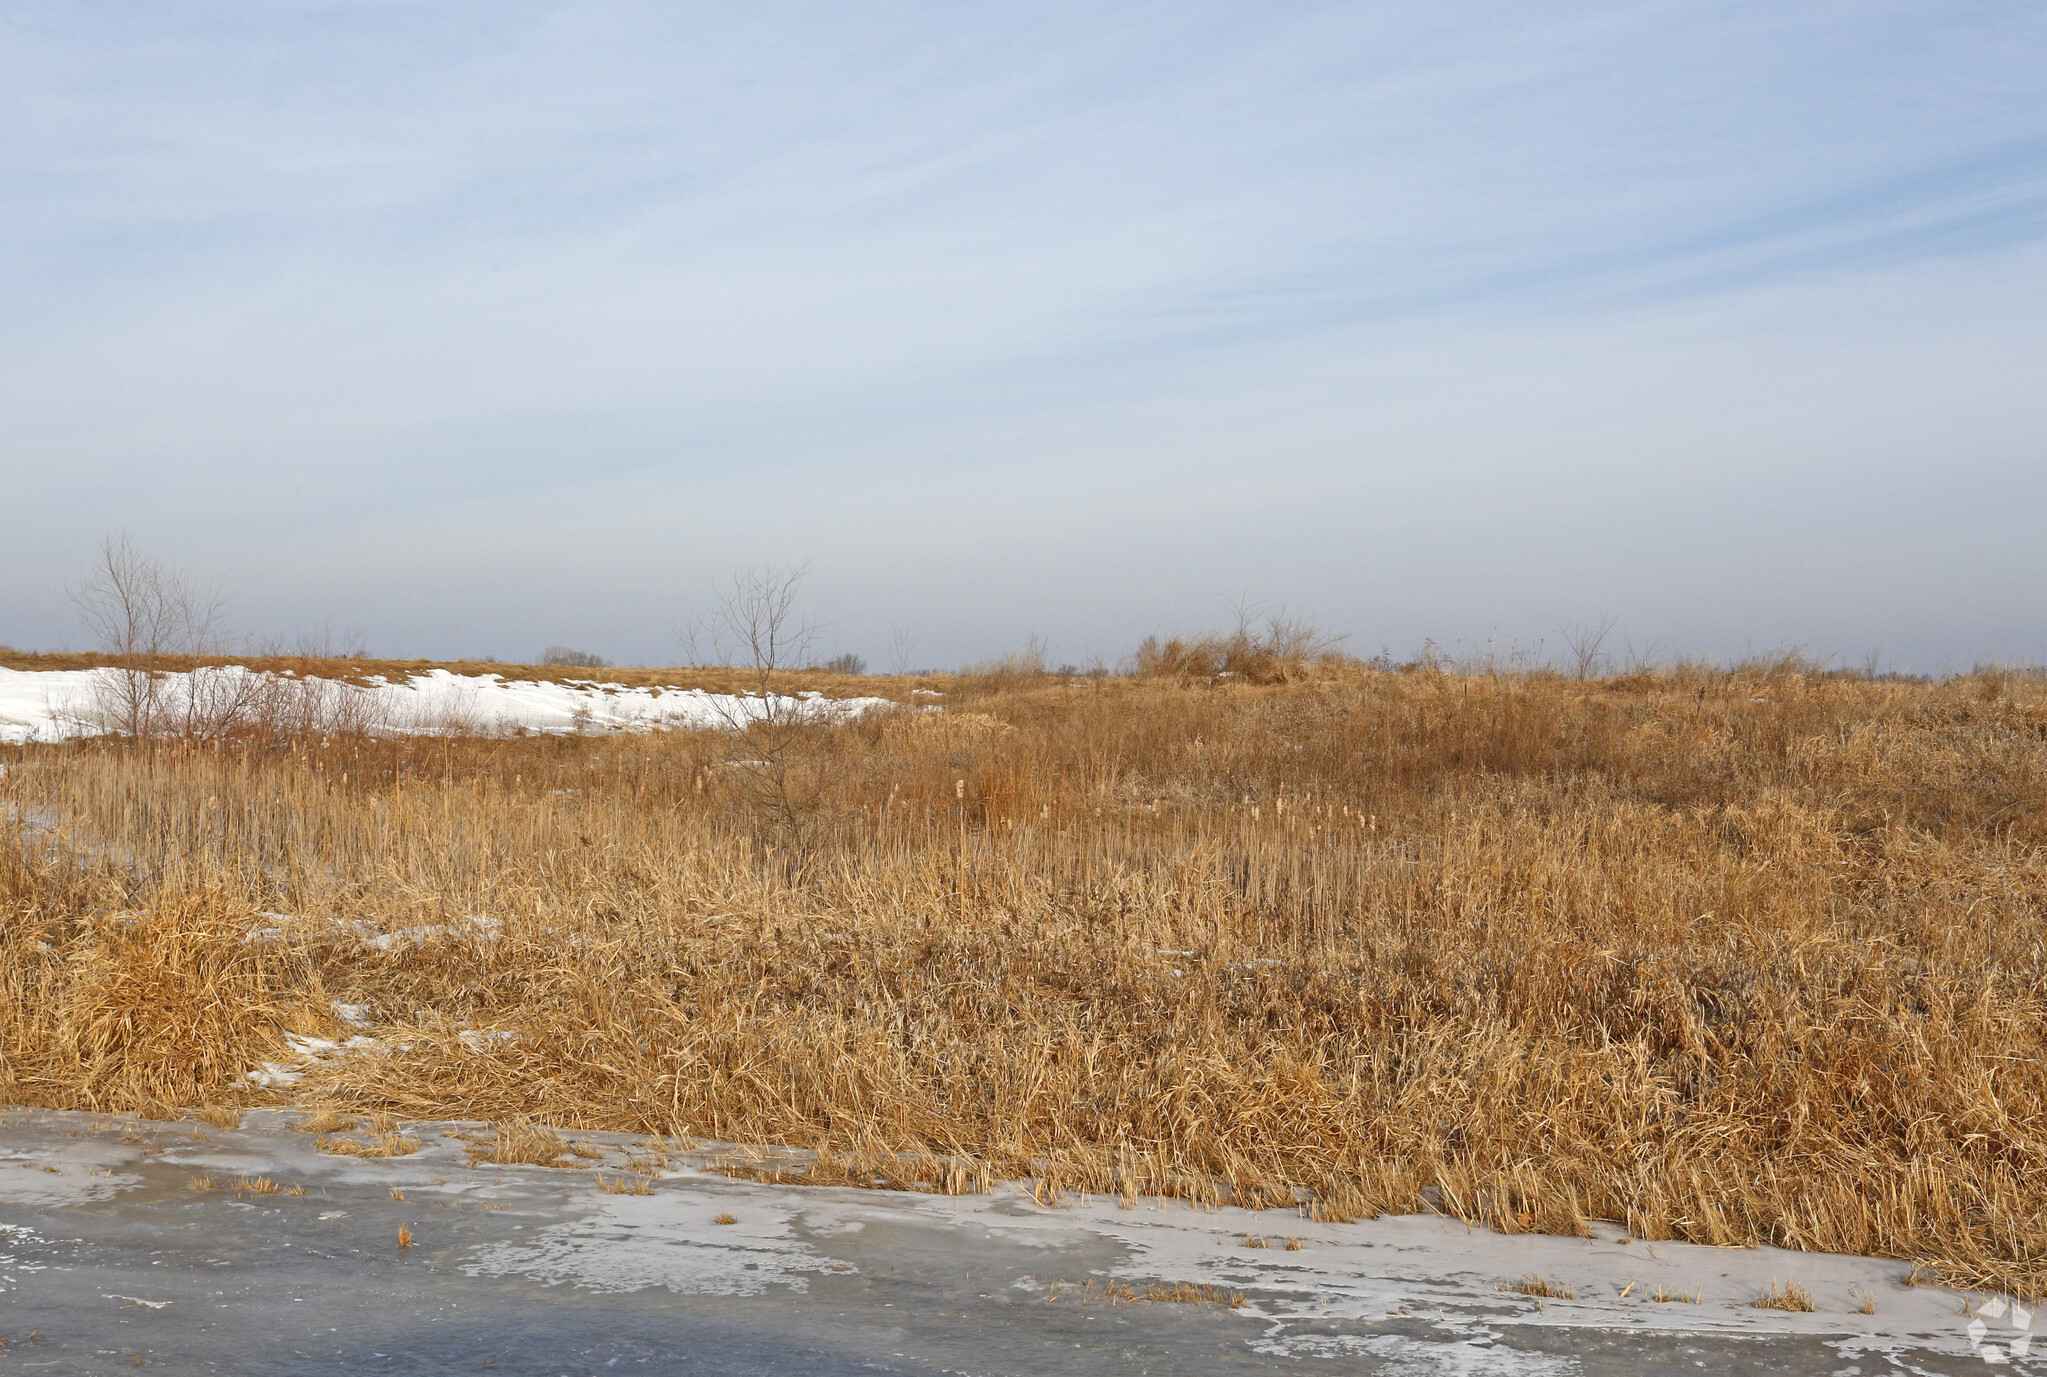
[(489, 326)]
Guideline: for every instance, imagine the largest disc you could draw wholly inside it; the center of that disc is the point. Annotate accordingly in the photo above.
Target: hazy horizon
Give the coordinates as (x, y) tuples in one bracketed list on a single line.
[(484, 328)]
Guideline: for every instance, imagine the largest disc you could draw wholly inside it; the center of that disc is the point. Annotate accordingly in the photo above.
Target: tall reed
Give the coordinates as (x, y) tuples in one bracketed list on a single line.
[(1735, 958)]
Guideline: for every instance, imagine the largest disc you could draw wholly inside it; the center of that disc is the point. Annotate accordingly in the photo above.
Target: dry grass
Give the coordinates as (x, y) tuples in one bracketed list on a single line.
[(1544, 1289), (1736, 958), (218, 1116), (384, 1145), (1665, 1296), (1157, 1293), (725, 1217), (897, 1171), (525, 1144), (404, 1237), (1784, 1295), (624, 1185), (1190, 1293)]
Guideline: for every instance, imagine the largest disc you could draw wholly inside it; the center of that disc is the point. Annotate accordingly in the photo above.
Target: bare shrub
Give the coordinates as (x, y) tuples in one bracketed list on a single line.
[(577, 659), (902, 645), (848, 663), (1012, 669), (289, 707), (1586, 641)]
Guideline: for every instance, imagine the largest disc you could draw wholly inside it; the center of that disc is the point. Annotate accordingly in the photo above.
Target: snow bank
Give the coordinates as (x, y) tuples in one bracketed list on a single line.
[(58, 705)]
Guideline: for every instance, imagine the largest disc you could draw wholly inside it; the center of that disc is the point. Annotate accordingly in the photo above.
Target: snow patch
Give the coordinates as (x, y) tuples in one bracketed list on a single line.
[(58, 705)]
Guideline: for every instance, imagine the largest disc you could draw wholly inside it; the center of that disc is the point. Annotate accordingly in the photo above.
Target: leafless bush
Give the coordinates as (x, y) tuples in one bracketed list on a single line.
[(1584, 640), (577, 659), (289, 707), (903, 644), (313, 643), (848, 663), (772, 749), (1031, 662)]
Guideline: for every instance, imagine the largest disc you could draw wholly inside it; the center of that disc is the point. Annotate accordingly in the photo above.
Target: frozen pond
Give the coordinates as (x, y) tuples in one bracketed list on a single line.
[(110, 1253)]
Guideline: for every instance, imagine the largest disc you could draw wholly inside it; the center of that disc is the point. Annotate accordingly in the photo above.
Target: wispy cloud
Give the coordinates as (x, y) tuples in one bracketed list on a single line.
[(1241, 289)]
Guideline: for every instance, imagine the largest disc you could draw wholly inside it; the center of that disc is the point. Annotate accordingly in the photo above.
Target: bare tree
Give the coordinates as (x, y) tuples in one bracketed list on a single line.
[(136, 609), (775, 753), (754, 622), (139, 612), (904, 645)]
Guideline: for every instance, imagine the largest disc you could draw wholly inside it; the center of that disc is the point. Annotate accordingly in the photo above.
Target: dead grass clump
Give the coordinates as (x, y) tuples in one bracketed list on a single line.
[(1159, 1293), (1545, 1289), (324, 1121), (624, 1185), (218, 1116), (138, 1010), (256, 1185), (383, 1145), (1784, 1295), (1283, 648), (725, 1217), (930, 1173), (530, 1145), (1191, 1293)]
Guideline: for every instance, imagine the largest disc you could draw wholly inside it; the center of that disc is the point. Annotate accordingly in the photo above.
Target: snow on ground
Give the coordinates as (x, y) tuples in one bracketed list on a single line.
[(58, 705)]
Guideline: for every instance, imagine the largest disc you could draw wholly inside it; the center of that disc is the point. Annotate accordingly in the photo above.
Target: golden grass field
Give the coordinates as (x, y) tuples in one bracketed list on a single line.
[(1731, 956)]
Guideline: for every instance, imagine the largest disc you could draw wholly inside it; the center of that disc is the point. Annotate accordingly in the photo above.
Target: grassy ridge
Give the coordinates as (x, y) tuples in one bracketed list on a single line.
[(1734, 957)]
